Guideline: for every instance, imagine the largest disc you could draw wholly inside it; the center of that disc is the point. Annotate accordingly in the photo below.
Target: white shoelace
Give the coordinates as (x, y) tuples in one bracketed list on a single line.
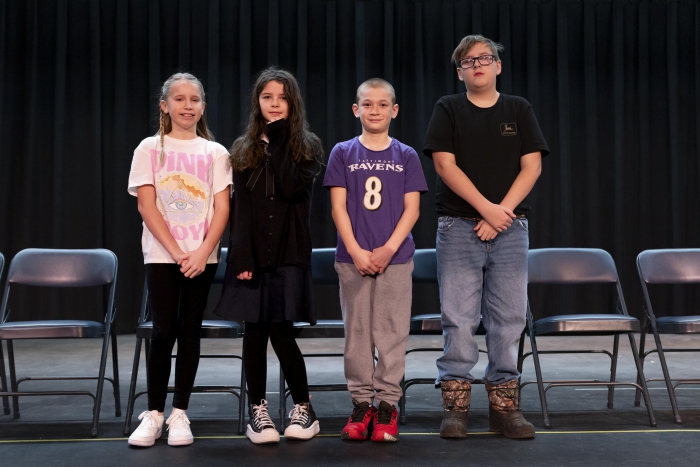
[(261, 417), (149, 420), (177, 420), (299, 415)]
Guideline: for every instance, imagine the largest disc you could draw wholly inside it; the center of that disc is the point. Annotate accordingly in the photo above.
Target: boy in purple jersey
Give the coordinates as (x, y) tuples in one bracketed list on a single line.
[(375, 184)]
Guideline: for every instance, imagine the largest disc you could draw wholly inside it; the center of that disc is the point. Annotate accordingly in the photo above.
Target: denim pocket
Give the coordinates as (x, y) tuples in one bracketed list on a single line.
[(445, 223), (522, 223)]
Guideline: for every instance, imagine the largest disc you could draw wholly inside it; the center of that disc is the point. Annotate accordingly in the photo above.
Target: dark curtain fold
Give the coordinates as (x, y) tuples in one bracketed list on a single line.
[(615, 86)]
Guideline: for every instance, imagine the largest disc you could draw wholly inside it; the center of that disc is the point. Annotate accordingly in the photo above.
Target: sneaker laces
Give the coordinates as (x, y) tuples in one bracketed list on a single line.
[(358, 412), (384, 416), (148, 420), (177, 419), (299, 415), (261, 417)]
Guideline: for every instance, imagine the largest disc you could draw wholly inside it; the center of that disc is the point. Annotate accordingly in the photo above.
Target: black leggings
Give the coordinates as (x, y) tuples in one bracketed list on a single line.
[(285, 346), (177, 305)]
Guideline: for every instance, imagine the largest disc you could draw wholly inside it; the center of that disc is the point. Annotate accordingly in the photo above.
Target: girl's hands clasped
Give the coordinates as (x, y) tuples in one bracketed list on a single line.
[(193, 263)]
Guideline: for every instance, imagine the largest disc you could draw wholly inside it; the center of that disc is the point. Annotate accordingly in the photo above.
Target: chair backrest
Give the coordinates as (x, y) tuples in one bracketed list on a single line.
[(63, 268), (672, 266), (2, 264), (425, 266), (323, 266), (570, 266), (221, 268)]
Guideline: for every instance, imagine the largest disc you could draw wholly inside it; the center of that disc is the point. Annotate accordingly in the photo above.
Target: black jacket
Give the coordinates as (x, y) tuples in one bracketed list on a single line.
[(271, 229)]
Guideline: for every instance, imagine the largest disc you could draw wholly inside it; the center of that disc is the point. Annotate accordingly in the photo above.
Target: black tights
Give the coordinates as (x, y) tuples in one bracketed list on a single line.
[(285, 346)]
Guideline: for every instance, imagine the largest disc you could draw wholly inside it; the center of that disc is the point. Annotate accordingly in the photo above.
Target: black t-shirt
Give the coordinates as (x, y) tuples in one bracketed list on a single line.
[(487, 144)]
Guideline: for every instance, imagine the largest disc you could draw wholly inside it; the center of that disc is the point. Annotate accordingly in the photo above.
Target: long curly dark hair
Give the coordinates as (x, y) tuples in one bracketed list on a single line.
[(247, 153)]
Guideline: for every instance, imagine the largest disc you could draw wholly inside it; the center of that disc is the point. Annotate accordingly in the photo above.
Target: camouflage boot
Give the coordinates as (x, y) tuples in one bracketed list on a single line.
[(456, 395), (504, 411)]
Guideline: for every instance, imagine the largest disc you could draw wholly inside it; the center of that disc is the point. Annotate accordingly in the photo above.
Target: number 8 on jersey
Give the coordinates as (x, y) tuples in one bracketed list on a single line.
[(373, 197)]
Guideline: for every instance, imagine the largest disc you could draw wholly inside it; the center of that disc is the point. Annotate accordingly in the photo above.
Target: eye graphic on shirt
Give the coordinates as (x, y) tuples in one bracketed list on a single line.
[(373, 197), (182, 198), (180, 204)]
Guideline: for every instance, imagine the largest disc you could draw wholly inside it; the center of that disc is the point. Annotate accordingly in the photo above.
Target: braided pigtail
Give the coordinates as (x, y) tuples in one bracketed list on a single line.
[(161, 156)]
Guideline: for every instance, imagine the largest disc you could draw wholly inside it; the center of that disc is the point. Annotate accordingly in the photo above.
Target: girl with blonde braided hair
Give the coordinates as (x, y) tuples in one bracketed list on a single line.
[(182, 180)]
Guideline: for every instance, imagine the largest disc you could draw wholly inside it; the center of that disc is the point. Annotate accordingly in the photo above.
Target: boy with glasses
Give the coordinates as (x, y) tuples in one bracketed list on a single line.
[(487, 149)]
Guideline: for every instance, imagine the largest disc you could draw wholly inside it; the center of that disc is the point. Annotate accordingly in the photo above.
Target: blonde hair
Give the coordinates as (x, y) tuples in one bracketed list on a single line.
[(166, 125), (376, 83)]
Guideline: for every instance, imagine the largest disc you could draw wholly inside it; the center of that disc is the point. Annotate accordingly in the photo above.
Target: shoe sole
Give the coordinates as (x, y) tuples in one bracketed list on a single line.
[(146, 443), (363, 436), (295, 432), (264, 437), (387, 438), (180, 442)]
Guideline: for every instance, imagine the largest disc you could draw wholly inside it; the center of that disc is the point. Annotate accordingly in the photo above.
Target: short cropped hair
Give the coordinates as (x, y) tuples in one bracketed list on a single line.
[(468, 42), (376, 83)]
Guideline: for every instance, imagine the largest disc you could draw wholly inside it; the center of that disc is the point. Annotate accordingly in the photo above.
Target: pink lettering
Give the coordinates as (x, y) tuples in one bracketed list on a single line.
[(203, 167), (171, 161), (187, 162), (155, 166), (179, 232), (196, 230)]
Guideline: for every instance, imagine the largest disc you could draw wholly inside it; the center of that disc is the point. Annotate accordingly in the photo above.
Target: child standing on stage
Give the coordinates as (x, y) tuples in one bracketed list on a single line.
[(375, 183), (268, 278), (181, 178)]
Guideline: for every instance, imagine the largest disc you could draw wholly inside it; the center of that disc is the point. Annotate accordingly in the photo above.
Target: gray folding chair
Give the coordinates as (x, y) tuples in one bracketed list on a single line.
[(323, 273), (425, 272), (678, 266), (211, 329), (62, 268), (580, 266), (3, 375)]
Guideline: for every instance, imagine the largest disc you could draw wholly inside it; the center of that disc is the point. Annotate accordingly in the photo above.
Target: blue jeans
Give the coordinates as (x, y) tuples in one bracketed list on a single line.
[(486, 280)]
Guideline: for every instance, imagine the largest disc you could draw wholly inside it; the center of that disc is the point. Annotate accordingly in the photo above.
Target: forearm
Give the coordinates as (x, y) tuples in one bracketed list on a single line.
[(155, 223), (408, 219), (344, 227), (457, 181), (524, 182), (218, 222)]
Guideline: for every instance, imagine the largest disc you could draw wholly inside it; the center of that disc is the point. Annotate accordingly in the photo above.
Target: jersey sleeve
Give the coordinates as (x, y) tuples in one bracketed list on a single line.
[(141, 170), (222, 170), (439, 135), (415, 178), (335, 170), (531, 136)]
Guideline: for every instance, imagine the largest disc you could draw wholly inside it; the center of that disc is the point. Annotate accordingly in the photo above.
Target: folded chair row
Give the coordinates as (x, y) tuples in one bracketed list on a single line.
[(554, 266)]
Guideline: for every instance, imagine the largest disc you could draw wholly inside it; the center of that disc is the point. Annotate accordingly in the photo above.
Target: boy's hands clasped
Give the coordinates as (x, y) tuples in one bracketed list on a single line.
[(497, 218), (369, 263)]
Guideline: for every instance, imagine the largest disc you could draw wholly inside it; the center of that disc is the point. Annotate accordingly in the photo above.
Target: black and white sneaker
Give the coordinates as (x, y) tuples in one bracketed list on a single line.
[(303, 423), (261, 430)]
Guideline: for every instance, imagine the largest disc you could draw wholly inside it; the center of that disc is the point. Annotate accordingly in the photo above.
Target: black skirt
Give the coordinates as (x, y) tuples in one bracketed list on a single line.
[(273, 295)]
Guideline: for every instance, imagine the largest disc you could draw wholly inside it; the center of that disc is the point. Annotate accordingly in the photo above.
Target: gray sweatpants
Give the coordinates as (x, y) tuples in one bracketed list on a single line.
[(376, 313)]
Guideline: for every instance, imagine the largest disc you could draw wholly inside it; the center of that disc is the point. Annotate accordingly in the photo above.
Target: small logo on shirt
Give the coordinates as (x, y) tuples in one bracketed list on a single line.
[(508, 129)]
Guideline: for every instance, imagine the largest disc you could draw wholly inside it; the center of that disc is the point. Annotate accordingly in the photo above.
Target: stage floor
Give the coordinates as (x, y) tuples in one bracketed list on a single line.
[(55, 430)]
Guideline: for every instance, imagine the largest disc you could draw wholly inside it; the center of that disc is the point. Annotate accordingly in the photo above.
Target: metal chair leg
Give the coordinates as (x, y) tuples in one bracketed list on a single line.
[(667, 376), (101, 379), (132, 388), (242, 406), (13, 379), (3, 383), (613, 370), (645, 390), (402, 401), (283, 400), (540, 384), (115, 372), (642, 341)]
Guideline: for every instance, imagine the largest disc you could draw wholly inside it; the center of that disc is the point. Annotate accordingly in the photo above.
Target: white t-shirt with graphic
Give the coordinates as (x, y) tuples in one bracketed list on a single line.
[(191, 173)]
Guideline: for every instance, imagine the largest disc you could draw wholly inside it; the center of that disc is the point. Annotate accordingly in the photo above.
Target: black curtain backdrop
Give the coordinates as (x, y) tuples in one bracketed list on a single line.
[(615, 86)]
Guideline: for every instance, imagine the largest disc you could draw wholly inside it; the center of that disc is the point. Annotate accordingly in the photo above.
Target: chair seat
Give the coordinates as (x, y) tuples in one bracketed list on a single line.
[(323, 328), (211, 329), (426, 324), (586, 324), (51, 329), (678, 324)]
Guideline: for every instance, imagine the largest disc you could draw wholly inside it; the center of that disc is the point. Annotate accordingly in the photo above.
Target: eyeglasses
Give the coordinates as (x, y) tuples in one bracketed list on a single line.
[(483, 60)]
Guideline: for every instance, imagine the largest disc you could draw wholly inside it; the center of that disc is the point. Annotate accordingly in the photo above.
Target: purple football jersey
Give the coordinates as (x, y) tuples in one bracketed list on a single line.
[(376, 182)]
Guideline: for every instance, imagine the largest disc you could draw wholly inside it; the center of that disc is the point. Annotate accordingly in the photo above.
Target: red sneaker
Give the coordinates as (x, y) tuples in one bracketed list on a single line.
[(386, 427), (360, 422)]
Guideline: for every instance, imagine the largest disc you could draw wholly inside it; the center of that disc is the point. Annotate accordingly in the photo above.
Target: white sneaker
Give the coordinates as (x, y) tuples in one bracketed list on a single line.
[(179, 433), (261, 430), (303, 423), (149, 430)]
